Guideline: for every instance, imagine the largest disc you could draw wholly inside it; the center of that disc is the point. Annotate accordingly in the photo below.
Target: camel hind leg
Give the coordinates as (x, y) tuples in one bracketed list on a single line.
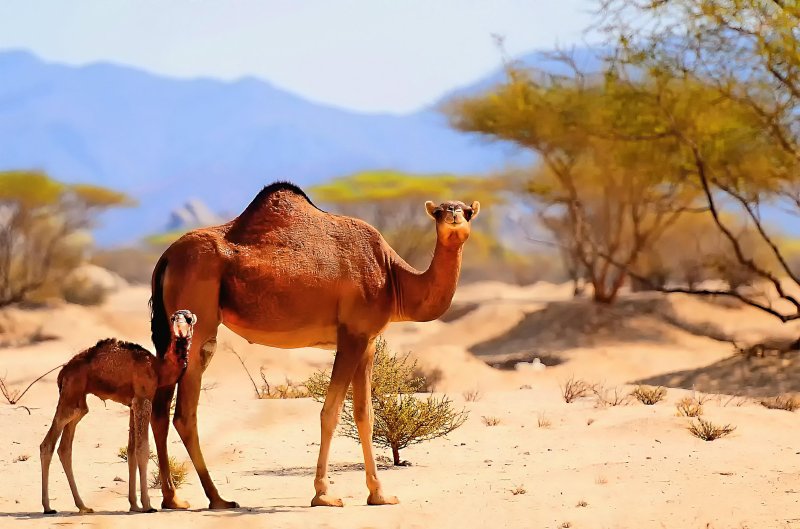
[(65, 454), (63, 416)]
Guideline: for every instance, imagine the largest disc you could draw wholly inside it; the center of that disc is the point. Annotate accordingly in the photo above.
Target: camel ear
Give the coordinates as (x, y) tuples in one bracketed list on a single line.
[(194, 319), (476, 207), (430, 207)]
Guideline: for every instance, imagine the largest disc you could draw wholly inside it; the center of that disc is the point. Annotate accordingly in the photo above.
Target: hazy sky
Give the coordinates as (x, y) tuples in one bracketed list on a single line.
[(369, 55)]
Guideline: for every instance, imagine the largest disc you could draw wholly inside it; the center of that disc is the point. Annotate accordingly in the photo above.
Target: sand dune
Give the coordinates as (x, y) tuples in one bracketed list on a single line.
[(632, 466)]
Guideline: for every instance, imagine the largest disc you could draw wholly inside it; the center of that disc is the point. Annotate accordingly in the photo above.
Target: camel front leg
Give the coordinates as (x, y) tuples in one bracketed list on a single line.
[(65, 454), (365, 419), (160, 422), (62, 417), (132, 464), (186, 423), (142, 409), (349, 351)]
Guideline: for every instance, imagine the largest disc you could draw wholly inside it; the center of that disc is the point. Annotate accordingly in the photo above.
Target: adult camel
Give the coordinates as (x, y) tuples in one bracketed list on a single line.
[(286, 274)]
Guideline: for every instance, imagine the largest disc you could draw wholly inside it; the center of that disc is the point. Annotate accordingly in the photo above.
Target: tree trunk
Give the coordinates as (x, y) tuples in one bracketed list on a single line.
[(396, 455)]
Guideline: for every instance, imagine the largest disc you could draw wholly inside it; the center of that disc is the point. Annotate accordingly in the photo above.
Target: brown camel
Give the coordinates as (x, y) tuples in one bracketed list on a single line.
[(286, 274), (123, 372)]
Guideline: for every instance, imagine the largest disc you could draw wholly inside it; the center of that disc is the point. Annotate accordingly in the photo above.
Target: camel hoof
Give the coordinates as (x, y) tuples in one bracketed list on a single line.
[(50, 511), (150, 509), (380, 499), (174, 504), (324, 500), (85, 510), (135, 508), (222, 504)]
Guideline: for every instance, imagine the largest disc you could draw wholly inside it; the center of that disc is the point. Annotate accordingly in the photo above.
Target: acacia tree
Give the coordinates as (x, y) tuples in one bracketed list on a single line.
[(606, 200), (392, 202), (41, 226), (742, 138)]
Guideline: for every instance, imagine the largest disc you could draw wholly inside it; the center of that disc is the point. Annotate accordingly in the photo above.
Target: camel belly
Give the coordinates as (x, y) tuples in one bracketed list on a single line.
[(322, 336)]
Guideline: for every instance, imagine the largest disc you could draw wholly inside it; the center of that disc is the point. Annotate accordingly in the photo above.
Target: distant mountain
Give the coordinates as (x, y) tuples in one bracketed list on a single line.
[(164, 140)]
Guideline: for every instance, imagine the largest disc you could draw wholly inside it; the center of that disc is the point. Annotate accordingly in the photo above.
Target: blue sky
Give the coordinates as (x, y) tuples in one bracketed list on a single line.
[(367, 55)]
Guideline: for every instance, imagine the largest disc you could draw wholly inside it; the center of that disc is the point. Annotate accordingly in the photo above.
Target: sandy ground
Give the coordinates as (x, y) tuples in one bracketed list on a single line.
[(631, 466)]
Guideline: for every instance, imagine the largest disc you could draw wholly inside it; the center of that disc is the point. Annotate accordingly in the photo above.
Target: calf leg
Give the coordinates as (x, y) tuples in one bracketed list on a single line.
[(132, 464), (65, 454), (142, 408), (64, 415)]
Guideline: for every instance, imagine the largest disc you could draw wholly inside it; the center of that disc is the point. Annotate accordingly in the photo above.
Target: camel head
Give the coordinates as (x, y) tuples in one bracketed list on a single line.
[(452, 220), (183, 322)]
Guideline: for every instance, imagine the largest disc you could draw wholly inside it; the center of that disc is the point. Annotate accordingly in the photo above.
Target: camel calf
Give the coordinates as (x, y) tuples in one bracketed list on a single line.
[(123, 372)]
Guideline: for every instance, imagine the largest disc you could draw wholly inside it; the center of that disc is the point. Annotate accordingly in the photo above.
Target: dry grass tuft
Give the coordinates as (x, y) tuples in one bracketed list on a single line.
[(649, 395), (289, 390), (22, 457), (582, 503), (565, 525), (689, 407), (490, 420), (543, 421), (707, 431), (574, 389), (473, 395), (178, 473), (782, 402), (519, 489), (610, 396)]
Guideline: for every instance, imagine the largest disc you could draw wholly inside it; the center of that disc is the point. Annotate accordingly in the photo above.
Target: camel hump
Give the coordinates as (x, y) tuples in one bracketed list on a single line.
[(277, 192)]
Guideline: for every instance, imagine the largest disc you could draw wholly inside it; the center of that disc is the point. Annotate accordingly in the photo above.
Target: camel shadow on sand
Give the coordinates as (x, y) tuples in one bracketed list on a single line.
[(310, 471), (60, 517)]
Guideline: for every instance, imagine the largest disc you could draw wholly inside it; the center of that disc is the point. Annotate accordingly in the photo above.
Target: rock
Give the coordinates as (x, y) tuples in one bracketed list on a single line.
[(90, 285), (193, 214)]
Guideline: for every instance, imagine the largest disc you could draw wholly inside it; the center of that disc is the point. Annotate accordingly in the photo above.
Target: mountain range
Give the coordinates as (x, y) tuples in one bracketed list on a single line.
[(165, 140)]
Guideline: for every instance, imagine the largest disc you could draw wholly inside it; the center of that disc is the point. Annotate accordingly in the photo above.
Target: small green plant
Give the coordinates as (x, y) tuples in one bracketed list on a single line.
[(490, 420), (649, 395), (178, 473), (707, 431), (401, 418), (689, 407), (574, 389), (782, 402)]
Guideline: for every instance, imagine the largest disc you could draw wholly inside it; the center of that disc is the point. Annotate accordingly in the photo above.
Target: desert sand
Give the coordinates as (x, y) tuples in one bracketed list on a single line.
[(631, 466)]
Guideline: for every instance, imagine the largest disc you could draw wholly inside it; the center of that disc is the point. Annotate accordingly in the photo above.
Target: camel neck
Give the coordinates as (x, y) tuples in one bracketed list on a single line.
[(424, 296), (171, 366)]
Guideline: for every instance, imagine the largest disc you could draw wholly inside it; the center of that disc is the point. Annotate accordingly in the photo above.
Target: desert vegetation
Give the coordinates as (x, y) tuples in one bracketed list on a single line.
[(401, 418), (708, 431)]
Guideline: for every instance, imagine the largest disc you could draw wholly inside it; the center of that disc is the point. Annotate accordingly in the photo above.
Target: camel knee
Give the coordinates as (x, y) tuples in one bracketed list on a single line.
[(329, 419), (361, 414)]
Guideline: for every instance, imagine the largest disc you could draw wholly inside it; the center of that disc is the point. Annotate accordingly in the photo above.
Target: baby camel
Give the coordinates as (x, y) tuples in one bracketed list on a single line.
[(123, 372)]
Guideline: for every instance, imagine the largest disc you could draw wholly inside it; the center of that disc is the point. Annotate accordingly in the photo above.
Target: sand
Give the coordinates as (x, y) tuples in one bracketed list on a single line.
[(631, 466)]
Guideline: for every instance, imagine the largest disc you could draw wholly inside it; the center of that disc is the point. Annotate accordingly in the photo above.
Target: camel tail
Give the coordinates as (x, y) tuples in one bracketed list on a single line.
[(159, 323)]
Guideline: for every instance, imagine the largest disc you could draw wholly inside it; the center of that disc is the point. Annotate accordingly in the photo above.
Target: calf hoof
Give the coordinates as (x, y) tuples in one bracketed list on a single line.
[(222, 504), (50, 511), (85, 510), (151, 509)]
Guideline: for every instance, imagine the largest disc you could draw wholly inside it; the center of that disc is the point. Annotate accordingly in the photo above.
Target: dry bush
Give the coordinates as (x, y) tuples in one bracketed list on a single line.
[(473, 395), (490, 420), (781, 402), (122, 453), (707, 431), (543, 421), (519, 489), (10, 394), (178, 473), (582, 503), (289, 390), (401, 418), (689, 407), (601, 480), (611, 396), (574, 389), (736, 401), (649, 395)]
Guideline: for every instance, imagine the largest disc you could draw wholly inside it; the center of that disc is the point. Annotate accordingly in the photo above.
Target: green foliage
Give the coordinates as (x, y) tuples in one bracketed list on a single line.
[(44, 230), (401, 418), (393, 202)]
